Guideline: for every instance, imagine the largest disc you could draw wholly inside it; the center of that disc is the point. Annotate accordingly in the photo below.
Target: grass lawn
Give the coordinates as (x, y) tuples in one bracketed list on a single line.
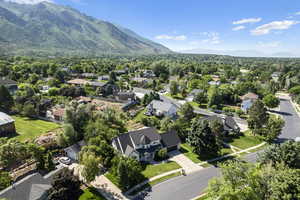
[(245, 141), (188, 152), (154, 170), (91, 194), (140, 115), (31, 128), (178, 96)]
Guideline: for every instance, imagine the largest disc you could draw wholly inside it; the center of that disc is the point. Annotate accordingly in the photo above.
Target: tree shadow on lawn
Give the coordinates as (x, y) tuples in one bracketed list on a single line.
[(208, 156)]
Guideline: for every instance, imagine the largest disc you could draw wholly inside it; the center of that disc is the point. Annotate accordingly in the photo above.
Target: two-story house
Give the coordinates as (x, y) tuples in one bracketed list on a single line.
[(143, 144)]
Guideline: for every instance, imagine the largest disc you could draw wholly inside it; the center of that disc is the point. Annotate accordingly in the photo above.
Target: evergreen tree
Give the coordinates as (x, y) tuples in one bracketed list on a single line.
[(6, 100), (258, 117)]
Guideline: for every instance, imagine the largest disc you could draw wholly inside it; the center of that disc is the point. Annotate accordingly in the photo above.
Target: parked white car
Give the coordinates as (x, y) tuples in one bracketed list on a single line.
[(65, 160)]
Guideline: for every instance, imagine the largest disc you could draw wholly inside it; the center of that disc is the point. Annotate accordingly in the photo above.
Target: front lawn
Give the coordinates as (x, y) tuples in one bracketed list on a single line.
[(187, 150), (31, 128), (154, 170), (245, 141), (91, 194)]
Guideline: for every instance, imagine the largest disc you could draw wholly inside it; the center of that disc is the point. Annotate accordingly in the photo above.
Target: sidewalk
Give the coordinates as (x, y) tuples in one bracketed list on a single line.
[(188, 165)]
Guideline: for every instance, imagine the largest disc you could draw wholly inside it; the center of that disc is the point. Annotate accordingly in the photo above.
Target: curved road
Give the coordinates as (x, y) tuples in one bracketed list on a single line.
[(190, 186)]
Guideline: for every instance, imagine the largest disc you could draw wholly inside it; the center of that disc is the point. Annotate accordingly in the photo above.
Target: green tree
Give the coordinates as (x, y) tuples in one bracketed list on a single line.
[(286, 153), (91, 166), (213, 97), (273, 129), (174, 88), (200, 98), (5, 180), (187, 111), (271, 101), (6, 100), (29, 110), (202, 138), (258, 117), (65, 186)]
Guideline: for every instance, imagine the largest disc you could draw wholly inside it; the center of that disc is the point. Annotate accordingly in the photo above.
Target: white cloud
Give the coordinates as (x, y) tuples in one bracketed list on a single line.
[(29, 1), (247, 21), (238, 28), (212, 38), (297, 13), (269, 44), (275, 25), (170, 37)]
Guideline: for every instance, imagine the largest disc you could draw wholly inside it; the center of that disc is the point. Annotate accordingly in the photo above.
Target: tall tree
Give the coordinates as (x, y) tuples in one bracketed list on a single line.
[(174, 88), (91, 166), (187, 111), (202, 138), (258, 117), (6, 100), (271, 101)]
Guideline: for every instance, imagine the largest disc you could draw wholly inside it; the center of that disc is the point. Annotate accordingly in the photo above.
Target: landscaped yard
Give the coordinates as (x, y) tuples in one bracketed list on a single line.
[(31, 128), (91, 194), (188, 152), (245, 141), (154, 170)]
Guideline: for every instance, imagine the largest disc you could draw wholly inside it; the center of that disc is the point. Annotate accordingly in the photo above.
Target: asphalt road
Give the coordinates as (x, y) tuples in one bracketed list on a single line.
[(190, 186)]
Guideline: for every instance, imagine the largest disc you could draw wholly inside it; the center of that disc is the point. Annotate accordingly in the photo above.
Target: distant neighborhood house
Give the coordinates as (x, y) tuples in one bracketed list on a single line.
[(247, 101), (229, 124), (12, 86), (161, 108), (193, 94), (7, 124)]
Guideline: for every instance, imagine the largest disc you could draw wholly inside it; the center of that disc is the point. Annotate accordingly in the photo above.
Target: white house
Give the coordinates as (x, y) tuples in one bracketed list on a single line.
[(161, 108)]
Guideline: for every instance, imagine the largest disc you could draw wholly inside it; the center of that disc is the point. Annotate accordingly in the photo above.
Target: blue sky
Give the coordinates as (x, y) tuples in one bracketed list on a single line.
[(264, 25)]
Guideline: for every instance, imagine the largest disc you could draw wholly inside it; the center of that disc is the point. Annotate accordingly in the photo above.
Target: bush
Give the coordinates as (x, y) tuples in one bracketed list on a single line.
[(162, 154), (5, 180)]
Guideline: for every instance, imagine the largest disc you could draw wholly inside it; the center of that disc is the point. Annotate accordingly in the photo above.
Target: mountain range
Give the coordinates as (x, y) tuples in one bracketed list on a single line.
[(51, 29)]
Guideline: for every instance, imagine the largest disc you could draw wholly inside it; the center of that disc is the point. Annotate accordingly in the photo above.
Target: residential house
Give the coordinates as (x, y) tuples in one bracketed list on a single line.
[(78, 82), (275, 76), (88, 75), (193, 94), (103, 78), (33, 187), (148, 74), (141, 82), (247, 101), (217, 83), (249, 95), (161, 108), (229, 124), (12, 86), (96, 84), (56, 113), (121, 72), (144, 143), (7, 125), (140, 92), (125, 96), (73, 151)]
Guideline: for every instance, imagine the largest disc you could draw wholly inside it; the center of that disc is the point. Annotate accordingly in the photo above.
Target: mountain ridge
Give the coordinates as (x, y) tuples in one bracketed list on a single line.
[(54, 29)]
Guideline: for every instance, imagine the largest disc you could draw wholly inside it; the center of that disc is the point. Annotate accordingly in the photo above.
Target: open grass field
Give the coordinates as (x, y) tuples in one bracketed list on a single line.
[(28, 129)]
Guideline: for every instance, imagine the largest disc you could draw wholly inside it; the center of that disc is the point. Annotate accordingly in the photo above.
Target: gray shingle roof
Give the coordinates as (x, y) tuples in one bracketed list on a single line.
[(170, 139), (7, 82), (30, 188), (161, 105), (136, 138), (5, 119)]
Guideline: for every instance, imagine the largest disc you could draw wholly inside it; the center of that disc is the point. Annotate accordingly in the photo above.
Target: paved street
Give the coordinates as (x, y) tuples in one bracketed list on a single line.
[(188, 187)]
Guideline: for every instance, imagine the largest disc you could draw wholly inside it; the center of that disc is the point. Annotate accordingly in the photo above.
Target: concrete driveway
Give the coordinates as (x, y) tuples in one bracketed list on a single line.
[(188, 165)]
